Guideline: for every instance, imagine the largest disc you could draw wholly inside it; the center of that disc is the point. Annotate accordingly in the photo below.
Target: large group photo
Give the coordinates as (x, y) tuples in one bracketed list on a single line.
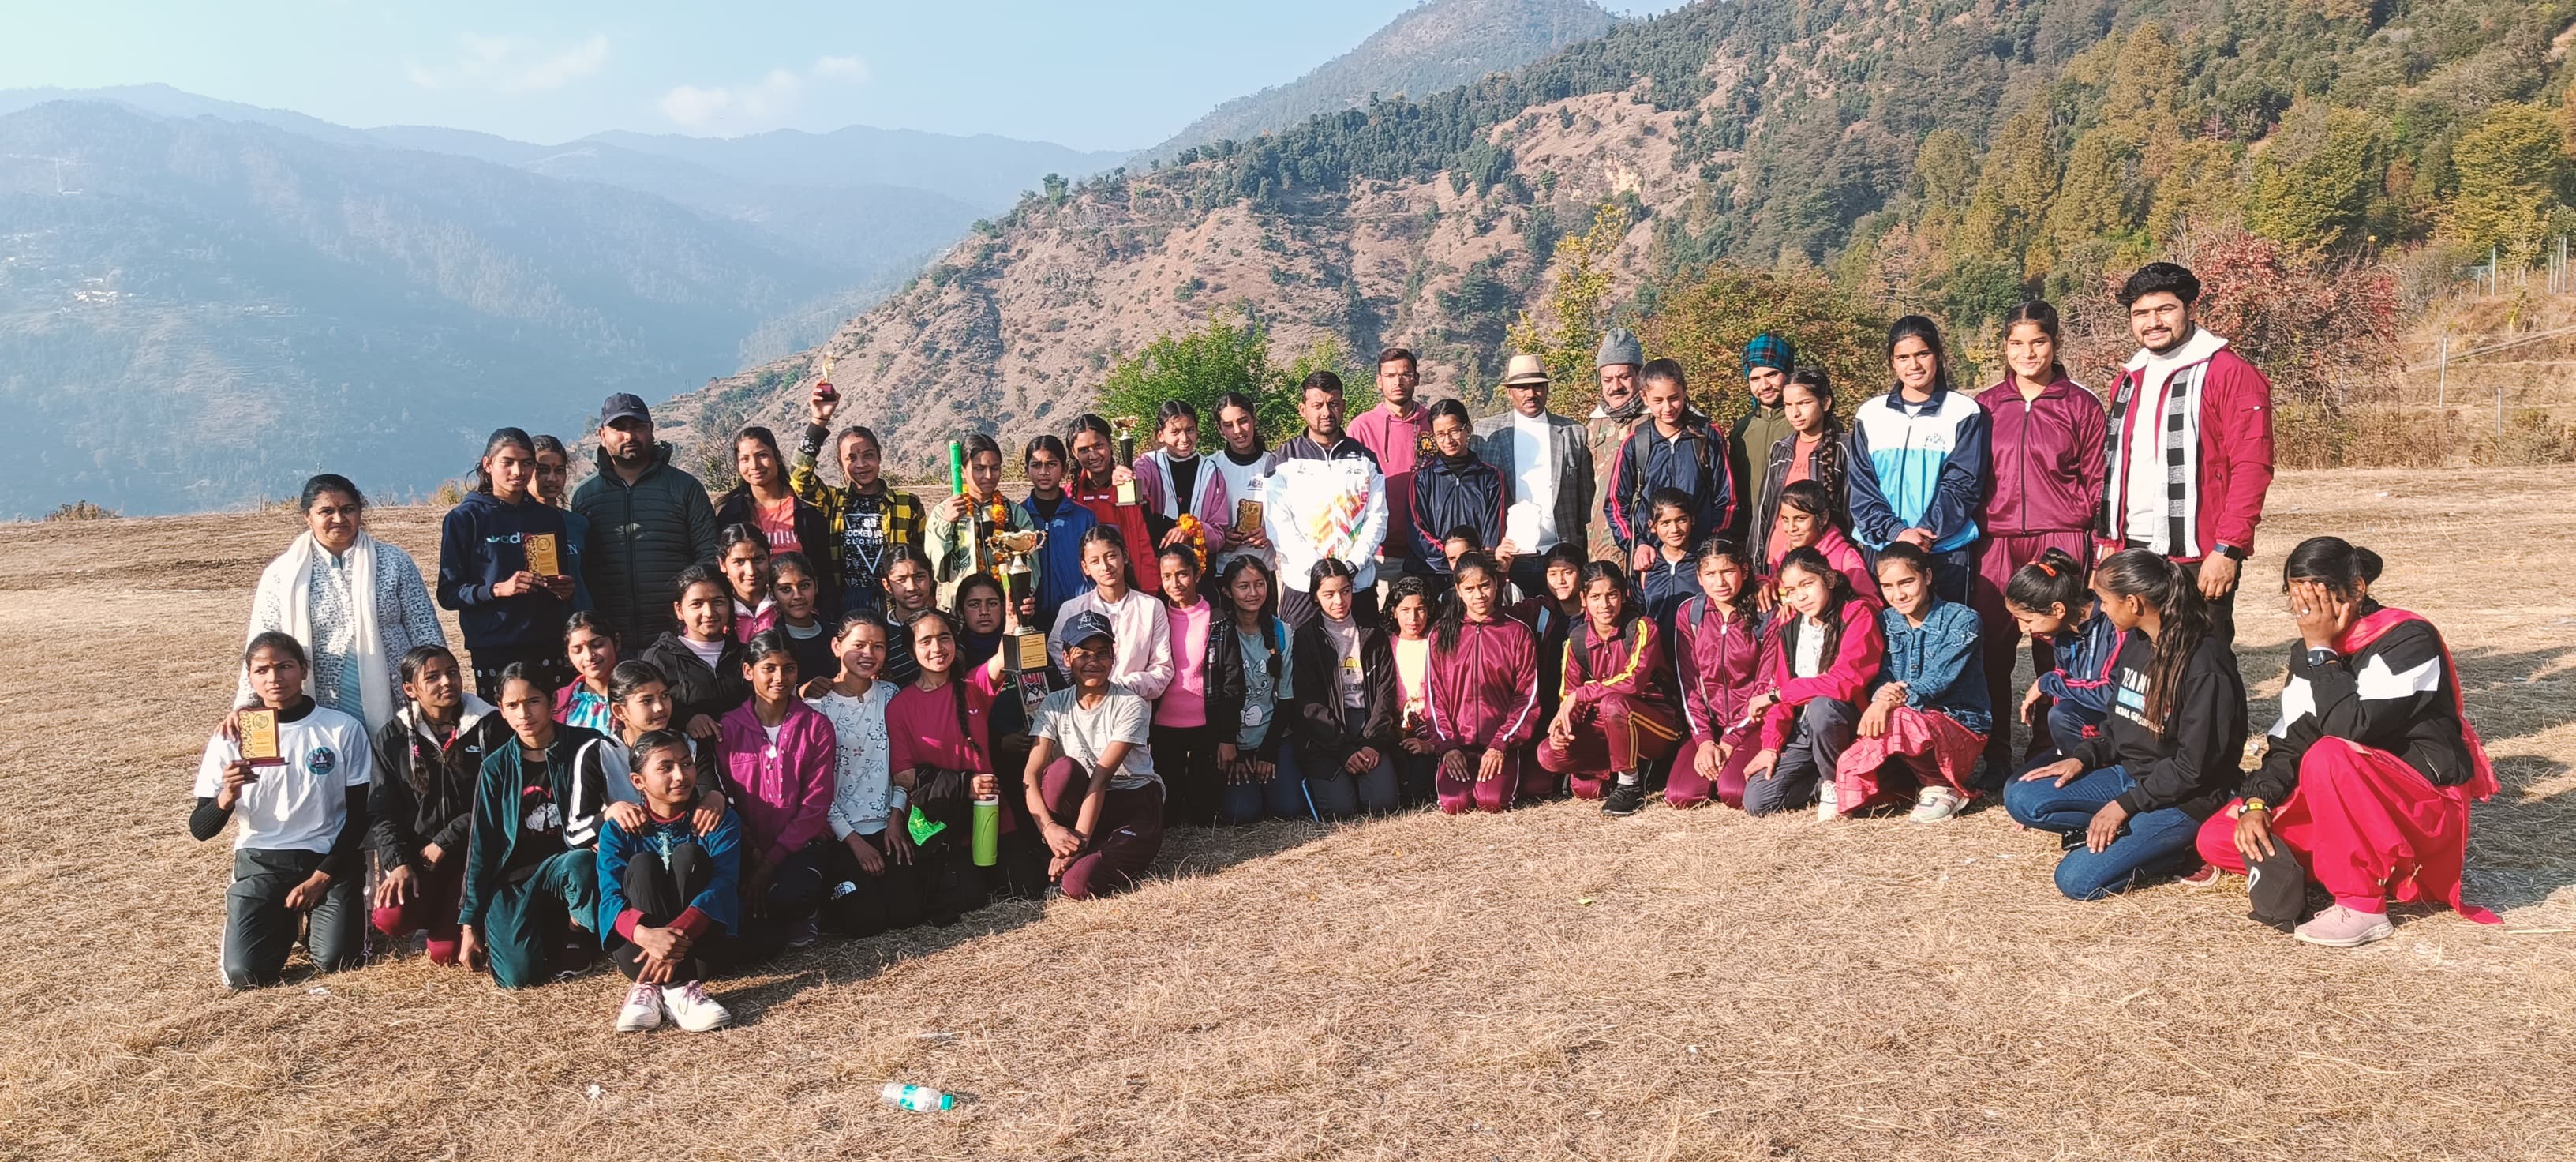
[(2100, 701)]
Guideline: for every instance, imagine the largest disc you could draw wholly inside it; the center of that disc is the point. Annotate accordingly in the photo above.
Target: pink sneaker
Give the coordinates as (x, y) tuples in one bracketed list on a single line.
[(2341, 927), (2207, 875)]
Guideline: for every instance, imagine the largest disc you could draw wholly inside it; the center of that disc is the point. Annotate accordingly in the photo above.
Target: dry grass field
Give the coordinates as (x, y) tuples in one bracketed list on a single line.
[(1549, 984)]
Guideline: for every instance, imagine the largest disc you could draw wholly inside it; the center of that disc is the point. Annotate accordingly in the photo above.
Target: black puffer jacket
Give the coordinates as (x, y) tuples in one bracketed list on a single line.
[(423, 788), (1323, 741), (641, 536)]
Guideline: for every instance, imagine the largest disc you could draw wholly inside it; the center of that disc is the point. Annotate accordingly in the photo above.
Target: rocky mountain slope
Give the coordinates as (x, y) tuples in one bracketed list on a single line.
[(1436, 45)]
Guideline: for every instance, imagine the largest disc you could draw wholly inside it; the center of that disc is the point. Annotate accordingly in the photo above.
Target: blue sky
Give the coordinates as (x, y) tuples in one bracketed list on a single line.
[(1087, 73)]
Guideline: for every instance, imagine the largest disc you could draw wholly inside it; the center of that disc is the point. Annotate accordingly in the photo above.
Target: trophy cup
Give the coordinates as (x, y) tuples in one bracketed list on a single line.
[(1126, 428), (1011, 549)]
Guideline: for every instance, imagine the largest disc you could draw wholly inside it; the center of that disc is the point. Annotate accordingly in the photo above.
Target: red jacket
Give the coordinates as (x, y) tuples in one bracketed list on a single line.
[(2235, 456), (2044, 459), (1631, 663), (1845, 557), (1720, 665), (1129, 519), (1846, 675), (1484, 693)]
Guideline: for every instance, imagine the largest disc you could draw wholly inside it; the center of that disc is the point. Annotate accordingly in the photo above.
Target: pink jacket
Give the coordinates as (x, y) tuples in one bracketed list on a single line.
[(783, 793), (1846, 675), (1208, 500)]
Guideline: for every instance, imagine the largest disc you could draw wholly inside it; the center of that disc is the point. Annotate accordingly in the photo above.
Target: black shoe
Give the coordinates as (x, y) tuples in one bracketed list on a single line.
[(1624, 799)]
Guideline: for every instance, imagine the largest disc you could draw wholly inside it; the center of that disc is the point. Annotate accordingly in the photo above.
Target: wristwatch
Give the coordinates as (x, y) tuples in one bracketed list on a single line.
[(2232, 551), (2320, 656), (2255, 803)]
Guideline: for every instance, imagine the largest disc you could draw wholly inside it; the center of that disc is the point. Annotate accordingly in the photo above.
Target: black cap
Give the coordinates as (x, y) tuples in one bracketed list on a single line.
[(1084, 626), (623, 406)]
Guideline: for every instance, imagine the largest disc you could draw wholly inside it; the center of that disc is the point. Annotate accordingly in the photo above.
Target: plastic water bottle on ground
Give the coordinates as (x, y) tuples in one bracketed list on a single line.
[(918, 1098)]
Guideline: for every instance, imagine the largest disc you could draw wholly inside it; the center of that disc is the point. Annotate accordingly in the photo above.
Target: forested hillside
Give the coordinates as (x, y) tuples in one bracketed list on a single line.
[(1949, 157), (1435, 46)]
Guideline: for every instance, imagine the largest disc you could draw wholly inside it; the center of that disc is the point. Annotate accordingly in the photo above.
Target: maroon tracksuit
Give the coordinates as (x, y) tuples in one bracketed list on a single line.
[(2046, 461), (1482, 695), (1625, 713), (1719, 665)]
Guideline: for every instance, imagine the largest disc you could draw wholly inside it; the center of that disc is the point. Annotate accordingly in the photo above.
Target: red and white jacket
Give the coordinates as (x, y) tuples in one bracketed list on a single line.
[(2224, 408)]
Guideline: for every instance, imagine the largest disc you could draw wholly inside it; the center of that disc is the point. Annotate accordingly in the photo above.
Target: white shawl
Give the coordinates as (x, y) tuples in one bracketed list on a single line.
[(284, 586)]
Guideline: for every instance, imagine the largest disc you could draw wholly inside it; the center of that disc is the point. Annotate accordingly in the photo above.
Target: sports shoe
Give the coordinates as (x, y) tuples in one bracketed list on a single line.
[(807, 931), (1624, 799), (2341, 927), (1825, 799), (2207, 875), (1935, 804), (642, 1010), (692, 1009)]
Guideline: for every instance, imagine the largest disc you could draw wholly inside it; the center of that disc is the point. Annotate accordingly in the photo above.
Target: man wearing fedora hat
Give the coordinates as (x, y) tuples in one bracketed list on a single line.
[(1546, 465)]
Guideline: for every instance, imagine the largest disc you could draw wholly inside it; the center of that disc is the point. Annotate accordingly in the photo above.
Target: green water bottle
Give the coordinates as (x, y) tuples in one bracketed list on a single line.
[(988, 830), (920, 1099)]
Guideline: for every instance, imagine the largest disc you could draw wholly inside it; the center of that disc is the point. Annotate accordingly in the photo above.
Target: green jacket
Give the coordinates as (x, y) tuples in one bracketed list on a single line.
[(492, 845), (641, 536)]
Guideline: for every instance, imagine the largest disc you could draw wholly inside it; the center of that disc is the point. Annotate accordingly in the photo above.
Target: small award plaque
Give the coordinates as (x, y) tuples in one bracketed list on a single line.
[(1033, 652), (259, 738), (543, 559), (1247, 517)]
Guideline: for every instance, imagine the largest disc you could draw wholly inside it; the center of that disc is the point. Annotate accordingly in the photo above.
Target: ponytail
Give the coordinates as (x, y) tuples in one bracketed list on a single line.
[(2054, 579), (2184, 618)]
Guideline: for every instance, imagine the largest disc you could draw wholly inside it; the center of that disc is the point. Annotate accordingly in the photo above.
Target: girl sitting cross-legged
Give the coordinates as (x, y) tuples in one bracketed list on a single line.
[(1618, 711), (1929, 712)]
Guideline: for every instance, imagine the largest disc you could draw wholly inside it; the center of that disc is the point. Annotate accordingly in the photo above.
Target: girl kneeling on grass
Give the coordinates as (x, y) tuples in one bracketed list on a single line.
[(872, 884), (1618, 712), (2367, 783), (530, 868), (939, 743), (702, 660), (778, 756), (667, 892), (422, 801), (1717, 654), (2130, 799), (1824, 650), (2049, 601), (1091, 781), (1263, 780), (1347, 703), (1480, 696), (1929, 712), (303, 814)]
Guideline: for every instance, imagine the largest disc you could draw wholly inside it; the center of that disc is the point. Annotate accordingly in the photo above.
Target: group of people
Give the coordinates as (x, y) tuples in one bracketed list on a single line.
[(696, 730)]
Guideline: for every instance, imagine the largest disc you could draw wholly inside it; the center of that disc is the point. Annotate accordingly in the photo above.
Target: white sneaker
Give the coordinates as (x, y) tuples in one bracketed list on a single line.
[(1825, 799), (692, 1009), (642, 1010), (1935, 804)]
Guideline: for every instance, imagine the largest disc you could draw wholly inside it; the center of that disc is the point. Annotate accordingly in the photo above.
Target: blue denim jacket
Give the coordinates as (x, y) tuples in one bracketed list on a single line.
[(1939, 662)]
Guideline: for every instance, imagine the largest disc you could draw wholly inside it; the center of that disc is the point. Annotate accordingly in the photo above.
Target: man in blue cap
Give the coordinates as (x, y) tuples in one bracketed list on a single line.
[(1769, 360), (648, 520)]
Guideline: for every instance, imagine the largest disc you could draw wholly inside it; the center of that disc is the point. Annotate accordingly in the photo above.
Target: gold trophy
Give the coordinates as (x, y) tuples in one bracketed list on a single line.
[(1126, 429), (1011, 549)]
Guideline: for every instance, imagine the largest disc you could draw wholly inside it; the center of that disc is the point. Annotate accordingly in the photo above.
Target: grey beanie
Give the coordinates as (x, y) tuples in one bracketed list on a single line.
[(1619, 345)]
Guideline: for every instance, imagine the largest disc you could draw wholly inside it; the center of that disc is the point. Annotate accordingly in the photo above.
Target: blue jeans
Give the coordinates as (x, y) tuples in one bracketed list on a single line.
[(2149, 843), (1283, 797)]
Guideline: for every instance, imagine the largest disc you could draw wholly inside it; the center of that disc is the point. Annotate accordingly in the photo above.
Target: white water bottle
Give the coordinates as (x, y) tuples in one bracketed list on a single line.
[(917, 1098)]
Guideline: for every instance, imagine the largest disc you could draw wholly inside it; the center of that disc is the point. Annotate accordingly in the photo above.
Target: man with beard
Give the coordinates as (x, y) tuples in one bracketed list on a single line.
[(648, 520), (1769, 360), (2190, 453), (1613, 419)]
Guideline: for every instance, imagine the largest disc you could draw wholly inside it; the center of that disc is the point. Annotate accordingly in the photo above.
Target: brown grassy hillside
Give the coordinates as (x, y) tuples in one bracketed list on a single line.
[(1547, 984)]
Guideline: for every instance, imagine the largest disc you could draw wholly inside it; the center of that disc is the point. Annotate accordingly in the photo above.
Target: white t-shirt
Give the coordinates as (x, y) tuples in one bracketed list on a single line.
[(1242, 482), (298, 806), (708, 652), (1809, 661), (1534, 472), (1084, 733), (862, 785)]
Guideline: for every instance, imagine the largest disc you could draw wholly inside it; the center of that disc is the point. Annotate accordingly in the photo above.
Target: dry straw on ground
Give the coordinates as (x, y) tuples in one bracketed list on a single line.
[(1548, 984)]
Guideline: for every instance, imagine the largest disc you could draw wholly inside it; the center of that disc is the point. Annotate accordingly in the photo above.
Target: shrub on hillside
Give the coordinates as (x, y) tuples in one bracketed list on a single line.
[(81, 510), (1230, 353), (1706, 322)]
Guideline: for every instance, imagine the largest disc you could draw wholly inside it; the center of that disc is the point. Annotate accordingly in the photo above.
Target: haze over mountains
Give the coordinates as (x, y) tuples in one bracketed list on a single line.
[(201, 302)]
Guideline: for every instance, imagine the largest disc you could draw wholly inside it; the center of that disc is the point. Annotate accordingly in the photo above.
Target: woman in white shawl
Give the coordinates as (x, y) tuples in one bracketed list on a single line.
[(357, 604)]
